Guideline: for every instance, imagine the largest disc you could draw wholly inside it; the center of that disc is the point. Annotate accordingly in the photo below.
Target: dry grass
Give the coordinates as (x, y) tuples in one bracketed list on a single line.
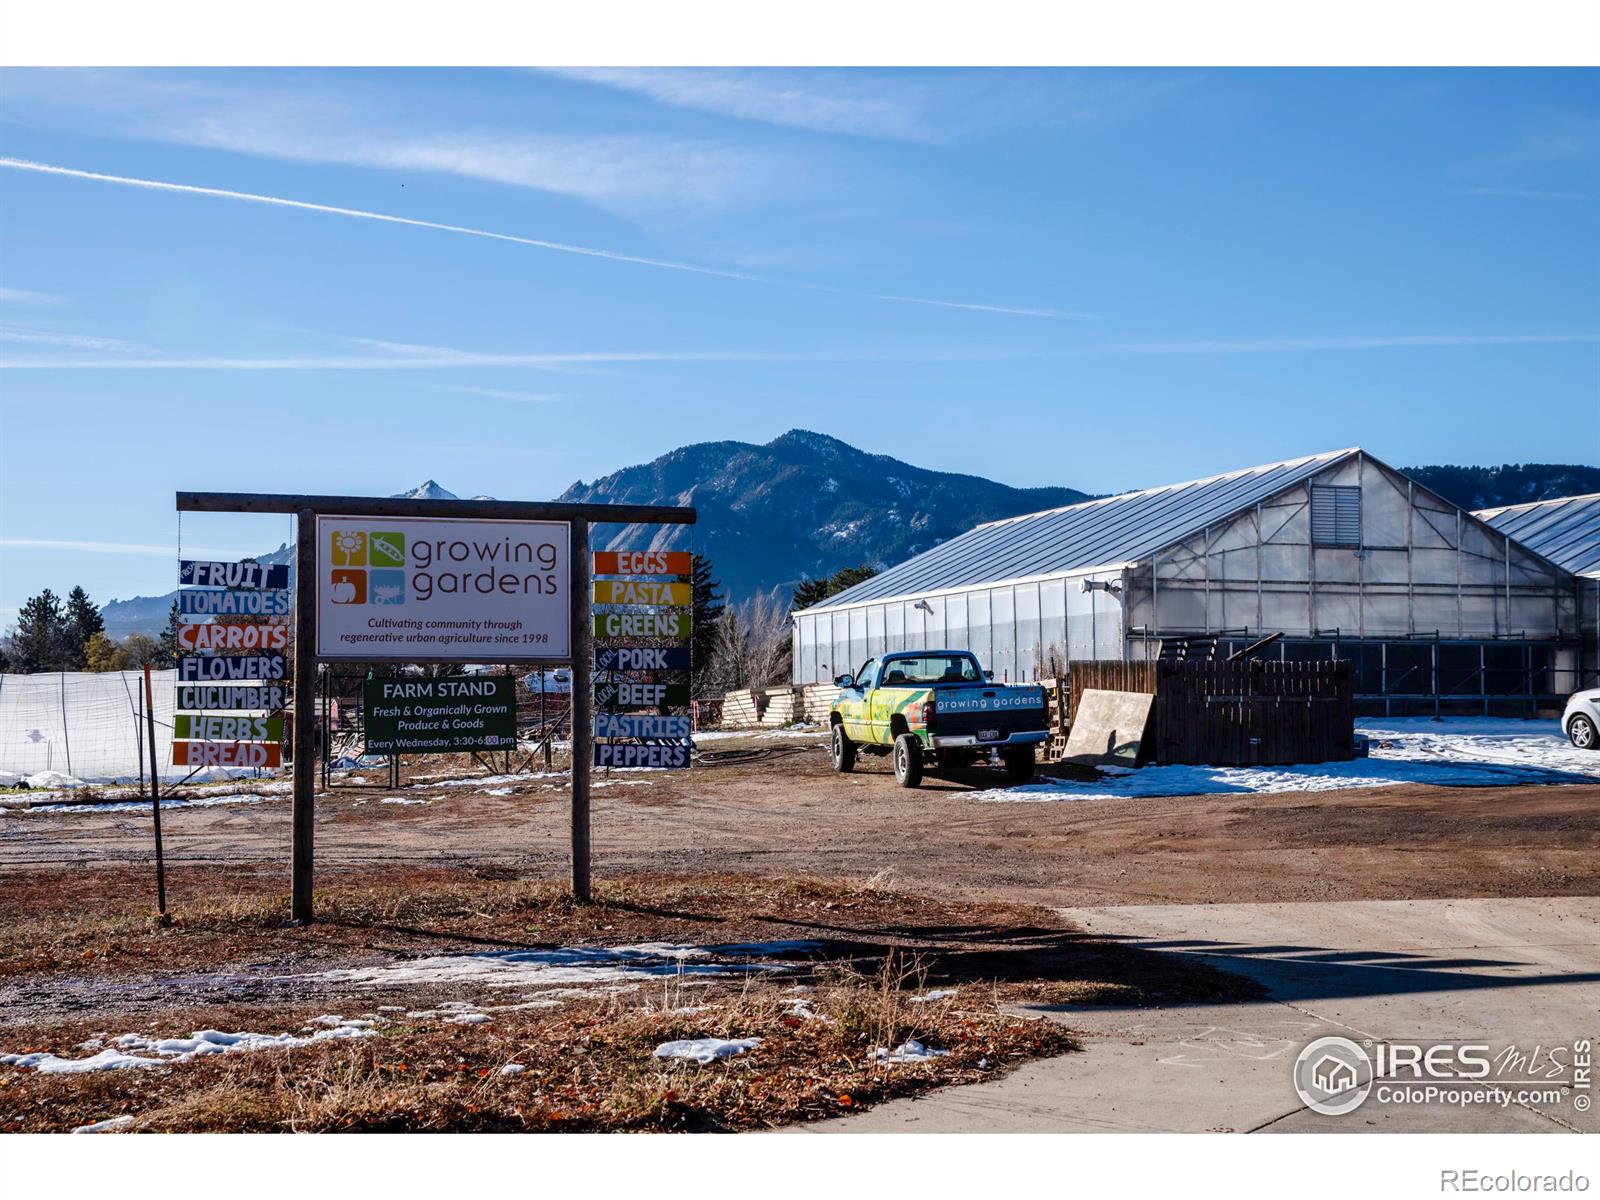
[(588, 1062), (587, 1066)]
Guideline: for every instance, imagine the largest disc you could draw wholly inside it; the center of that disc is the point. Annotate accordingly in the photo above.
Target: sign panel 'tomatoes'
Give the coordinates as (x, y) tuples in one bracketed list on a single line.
[(430, 589)]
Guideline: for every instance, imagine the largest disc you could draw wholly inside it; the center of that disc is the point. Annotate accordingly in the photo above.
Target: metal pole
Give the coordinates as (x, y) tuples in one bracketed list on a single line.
[(303, 813), (582, 708), (155, 796)]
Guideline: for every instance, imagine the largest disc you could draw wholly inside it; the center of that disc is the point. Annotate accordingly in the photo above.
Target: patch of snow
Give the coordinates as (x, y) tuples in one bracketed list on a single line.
[(471, 1018), (498, 791), (801, 732), (909, 1052), (1455, 752), (54, 779), (407, 800), (481, 780), (513, 1069), (706, 1050), (141, 806), (935, 994), (108, 1126), (567, 965), (50, 1064)]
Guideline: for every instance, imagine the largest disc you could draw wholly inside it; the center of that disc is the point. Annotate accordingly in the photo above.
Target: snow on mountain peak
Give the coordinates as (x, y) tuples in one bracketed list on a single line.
[(426, 491)]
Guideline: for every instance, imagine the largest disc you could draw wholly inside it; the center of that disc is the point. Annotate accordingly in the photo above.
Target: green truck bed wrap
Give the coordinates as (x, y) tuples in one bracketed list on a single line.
[(938, 706)]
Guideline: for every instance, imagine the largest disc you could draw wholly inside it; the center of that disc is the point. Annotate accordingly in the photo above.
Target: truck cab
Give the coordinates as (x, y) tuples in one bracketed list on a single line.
[(938, 708)]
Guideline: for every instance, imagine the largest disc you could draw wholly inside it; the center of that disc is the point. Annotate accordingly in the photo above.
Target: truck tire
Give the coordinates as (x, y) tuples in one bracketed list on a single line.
[(1019, 764), (907, 760), (842, 751)]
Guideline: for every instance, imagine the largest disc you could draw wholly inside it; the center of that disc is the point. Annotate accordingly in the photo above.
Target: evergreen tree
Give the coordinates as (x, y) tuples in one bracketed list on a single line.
[(815, 591), (41, 640), (706, 608), (83, 622), (169, 649)]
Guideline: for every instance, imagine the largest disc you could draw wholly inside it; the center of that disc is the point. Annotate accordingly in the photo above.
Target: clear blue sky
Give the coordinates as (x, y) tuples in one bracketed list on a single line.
[(1103, 279)]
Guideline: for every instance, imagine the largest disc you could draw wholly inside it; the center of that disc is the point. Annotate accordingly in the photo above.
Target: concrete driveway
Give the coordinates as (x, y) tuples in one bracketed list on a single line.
[(1523, 972)]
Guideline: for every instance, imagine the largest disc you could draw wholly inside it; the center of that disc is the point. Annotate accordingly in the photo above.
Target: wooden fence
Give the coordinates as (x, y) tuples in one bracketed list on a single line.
[(1234, 713)]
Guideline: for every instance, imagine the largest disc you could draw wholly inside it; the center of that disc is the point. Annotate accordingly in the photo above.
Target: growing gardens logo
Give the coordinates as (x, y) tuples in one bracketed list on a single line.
[(368, 566)]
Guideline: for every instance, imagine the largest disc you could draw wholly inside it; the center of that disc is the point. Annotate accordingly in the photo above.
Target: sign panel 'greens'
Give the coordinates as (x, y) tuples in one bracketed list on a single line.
[(432, 589), (440, 716), (655, 625)]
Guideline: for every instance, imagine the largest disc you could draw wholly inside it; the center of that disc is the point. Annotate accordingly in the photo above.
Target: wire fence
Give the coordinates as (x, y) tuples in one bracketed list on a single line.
[(77, 727)]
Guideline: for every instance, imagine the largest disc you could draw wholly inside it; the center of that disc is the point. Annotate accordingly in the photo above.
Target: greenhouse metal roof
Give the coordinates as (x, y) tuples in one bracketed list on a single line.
[(1094, 533), (1565, 530)]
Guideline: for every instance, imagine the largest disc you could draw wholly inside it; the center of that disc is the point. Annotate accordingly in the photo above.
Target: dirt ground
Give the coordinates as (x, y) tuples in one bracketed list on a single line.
[(760, 843), (784, 814)]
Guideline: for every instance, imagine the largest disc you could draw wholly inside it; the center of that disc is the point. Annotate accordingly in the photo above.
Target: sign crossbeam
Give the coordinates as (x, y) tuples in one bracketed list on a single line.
[(307, 509)]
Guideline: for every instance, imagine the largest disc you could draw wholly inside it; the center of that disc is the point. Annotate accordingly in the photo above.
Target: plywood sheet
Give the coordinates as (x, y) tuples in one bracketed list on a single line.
[(1108, 728)]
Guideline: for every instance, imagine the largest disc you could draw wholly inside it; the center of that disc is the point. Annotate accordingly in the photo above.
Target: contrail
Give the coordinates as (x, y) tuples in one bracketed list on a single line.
[(188, 189)]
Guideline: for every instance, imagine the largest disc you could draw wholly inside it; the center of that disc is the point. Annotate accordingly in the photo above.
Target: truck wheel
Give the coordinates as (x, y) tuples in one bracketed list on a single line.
[(1019, 764), (842, 751), (907, 760), (1582, 733)]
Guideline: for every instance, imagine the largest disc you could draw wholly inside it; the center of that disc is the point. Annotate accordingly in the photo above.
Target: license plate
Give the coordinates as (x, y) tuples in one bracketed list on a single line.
[(988, 735)]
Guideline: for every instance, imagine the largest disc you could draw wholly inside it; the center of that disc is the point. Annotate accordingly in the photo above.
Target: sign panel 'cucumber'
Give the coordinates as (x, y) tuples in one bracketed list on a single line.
[(659, 625), (641, 695), (432, 589), (641, 591), (655, 754), (227, 754), (438, 716), (233, 574), (645, 726), (207, 668), (642, 562), (205, 728), (241, 698), (641, 658)]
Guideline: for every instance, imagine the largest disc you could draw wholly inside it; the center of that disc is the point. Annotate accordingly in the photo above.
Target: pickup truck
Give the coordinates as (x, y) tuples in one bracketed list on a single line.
[(937, 706)]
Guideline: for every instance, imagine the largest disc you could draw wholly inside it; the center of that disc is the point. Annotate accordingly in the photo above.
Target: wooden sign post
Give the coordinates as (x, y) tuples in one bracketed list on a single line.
[(578, 654)]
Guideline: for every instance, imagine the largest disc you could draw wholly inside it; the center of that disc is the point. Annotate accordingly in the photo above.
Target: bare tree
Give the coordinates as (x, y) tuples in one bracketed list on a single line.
[(752, 647)]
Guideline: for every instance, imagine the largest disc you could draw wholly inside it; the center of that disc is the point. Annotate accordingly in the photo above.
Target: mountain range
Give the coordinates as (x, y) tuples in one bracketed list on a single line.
[(806, 504)]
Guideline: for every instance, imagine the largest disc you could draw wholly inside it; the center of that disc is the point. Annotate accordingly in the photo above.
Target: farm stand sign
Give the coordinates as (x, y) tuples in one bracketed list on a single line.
[(431, 589), (439, 716)]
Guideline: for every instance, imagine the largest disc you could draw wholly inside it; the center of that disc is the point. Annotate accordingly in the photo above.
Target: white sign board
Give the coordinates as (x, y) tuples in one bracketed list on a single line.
[(438, 589)]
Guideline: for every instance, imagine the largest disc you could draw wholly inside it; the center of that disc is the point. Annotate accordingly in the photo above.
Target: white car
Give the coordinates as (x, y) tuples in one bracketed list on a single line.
[(1581, 721)]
